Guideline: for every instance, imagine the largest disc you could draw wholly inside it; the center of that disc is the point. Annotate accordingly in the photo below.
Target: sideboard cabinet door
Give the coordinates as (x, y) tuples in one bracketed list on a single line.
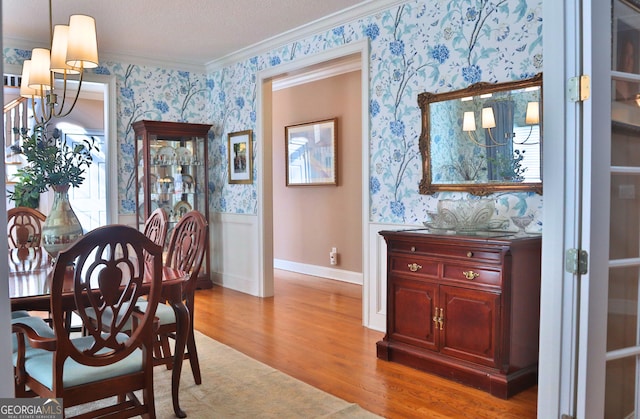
[(472, 323)]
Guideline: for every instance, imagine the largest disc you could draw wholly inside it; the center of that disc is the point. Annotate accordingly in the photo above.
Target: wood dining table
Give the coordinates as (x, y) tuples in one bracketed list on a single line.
[(30, 272)]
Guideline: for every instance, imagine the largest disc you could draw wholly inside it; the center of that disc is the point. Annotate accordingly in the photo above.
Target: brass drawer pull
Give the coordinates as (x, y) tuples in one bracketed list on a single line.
[(470, 275), (438, 320), (413, 267), (469, 254)]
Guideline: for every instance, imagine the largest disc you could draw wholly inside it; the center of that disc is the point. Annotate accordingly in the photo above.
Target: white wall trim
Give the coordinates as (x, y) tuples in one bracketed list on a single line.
[(321, 271), (6, 386), (325, 71), (377, 274), (111, 136), (328, 22)]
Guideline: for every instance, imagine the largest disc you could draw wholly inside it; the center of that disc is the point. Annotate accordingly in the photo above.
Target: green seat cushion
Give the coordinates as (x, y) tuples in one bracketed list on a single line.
[(41, 327), (19, 313), (40, 366), (164, 312)]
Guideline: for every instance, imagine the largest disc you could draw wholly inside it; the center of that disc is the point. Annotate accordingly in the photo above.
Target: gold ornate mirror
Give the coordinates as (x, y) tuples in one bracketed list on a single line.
[(483, 139)]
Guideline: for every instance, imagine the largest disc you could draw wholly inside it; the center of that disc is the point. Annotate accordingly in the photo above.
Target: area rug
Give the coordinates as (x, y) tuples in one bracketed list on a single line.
[(237, 386)]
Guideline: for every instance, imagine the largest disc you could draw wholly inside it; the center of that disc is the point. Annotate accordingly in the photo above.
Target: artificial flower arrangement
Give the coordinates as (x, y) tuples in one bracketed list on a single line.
[(51, 162)]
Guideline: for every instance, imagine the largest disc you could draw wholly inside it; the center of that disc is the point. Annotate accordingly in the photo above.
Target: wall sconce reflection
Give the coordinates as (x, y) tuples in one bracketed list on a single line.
[(532, 117), (488, 121)]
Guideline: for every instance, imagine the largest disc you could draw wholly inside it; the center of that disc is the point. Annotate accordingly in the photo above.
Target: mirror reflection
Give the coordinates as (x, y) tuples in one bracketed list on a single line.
[(483, 139)]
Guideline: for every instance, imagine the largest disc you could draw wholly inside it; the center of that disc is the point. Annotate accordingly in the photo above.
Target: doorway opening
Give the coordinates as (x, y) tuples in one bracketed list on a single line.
[(266, 80)]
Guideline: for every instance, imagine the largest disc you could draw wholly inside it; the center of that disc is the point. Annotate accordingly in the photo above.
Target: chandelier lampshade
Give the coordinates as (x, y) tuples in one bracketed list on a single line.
[(59, 51), (39, 75), (25, 90), (74, 48), (82, 49)]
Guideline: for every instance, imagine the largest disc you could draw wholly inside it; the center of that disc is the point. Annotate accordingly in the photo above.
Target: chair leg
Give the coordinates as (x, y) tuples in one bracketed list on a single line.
[(157, 350), (192, 354), (166, 351)]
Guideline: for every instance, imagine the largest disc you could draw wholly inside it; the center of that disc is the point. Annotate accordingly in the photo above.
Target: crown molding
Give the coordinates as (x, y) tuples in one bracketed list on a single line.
[(153, 62), (326, 70), (115, 57), (328, 22)]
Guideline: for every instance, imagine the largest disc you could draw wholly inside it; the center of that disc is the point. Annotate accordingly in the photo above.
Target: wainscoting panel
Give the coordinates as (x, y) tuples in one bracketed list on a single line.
[(234, 252), (376, 289)]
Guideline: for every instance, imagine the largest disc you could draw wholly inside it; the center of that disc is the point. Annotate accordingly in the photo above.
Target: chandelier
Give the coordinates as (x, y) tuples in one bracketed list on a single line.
[(45, 76)]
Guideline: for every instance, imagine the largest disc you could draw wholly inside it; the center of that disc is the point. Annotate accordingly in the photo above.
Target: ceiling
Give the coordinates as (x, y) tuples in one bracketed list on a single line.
[(193, 33)]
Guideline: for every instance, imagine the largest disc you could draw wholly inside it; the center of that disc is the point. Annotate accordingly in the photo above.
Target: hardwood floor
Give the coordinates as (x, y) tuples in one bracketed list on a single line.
[(312, 330)]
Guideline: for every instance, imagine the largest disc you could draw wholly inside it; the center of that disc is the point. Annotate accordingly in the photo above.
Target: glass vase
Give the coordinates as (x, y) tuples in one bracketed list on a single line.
[(62, 226)]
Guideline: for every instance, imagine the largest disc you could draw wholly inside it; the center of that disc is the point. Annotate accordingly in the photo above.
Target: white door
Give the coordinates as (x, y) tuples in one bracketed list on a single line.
[(89, 200), (590, 334)]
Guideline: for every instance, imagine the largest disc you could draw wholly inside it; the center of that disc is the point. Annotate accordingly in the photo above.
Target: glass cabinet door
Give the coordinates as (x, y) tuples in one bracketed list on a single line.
[(176, 177), (171, 172)]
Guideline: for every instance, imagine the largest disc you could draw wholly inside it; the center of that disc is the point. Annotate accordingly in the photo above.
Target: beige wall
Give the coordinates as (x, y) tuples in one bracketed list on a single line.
[(309, 220)]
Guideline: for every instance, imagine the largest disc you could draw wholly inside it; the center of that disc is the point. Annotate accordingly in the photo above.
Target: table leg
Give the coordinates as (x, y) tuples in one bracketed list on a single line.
[(182, 330)]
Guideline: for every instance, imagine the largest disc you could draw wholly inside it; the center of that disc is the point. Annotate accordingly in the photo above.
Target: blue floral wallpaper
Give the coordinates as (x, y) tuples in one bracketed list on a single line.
[(421, 45)]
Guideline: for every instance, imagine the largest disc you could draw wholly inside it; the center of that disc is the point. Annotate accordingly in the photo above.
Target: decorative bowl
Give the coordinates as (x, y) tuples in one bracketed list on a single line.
[(522, 222), (465, 214)]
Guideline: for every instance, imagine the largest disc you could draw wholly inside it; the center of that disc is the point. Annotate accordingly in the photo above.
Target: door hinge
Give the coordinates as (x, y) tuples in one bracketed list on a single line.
[(579, 88), (576, 261), (565, 416)]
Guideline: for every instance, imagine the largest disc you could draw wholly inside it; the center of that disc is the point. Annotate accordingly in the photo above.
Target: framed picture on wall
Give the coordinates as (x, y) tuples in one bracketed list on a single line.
[(240, 157), (310, 150)]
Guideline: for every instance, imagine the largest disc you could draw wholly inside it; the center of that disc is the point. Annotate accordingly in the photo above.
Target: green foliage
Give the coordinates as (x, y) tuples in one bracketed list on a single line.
[(509, 168), (469, 167), (26, 192), (50, 162)]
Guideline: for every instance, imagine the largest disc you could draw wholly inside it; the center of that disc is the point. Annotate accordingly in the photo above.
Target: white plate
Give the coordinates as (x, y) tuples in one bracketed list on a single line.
[(188, 182), (153, 178), (167, 154), (152, 156), (183, 155), (181, 208)]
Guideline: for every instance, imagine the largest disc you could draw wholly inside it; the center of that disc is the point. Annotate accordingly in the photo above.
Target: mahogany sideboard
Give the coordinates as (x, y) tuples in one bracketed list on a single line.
[(464, 306)]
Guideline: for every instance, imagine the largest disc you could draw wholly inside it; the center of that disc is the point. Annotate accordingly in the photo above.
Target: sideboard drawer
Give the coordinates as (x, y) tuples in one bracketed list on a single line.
[(446, 251), (411, 264), (472, 274)]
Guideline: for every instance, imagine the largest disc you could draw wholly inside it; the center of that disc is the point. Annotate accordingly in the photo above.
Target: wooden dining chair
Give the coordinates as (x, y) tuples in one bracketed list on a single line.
[(186, 250), (24, 227), (156, 226), (103, 272)]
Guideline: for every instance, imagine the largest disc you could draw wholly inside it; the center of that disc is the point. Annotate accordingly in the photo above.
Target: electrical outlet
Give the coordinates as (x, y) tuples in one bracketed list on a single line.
[(333, 256)]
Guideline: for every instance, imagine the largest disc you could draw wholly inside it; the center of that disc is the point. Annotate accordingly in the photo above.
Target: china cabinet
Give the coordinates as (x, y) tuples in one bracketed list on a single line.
[(172, 174), (464, 306)]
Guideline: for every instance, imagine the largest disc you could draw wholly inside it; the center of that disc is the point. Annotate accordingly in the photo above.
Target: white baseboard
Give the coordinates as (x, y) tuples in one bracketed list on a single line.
[(322, 271)]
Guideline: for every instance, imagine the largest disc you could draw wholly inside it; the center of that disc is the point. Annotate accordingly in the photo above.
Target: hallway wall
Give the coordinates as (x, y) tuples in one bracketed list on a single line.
[(309, 220)]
